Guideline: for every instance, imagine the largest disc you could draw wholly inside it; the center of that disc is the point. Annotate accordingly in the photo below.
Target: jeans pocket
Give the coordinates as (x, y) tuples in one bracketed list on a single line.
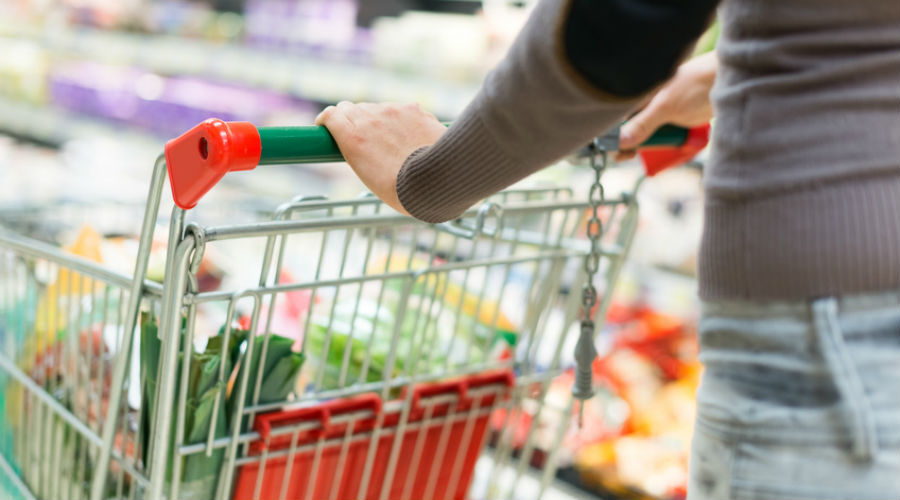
[(847, 378)]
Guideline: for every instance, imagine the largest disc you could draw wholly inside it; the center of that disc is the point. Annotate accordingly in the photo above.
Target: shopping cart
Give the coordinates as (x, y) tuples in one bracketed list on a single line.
[(395, 359)]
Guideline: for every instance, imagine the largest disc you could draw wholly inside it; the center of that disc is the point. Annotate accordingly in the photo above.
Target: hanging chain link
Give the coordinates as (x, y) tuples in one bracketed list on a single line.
[(594, 230), (585, 351)]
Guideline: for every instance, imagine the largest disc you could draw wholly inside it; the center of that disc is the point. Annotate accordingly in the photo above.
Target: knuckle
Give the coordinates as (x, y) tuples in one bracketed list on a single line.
[(391, 111), (664, 104), (357, 137), (638, 126)]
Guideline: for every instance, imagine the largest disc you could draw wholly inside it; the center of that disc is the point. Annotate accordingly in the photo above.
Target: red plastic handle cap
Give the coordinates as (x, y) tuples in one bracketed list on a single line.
[(657, 159), (200, 157)]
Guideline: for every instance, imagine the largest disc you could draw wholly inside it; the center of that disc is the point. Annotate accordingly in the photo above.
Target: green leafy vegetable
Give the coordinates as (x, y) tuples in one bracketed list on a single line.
[(199, 474)]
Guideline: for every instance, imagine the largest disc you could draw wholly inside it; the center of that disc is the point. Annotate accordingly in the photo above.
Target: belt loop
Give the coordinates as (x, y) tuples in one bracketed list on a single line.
[(845, 376)]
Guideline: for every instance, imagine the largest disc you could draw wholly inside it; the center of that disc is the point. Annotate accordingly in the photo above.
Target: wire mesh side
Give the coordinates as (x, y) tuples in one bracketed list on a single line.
[(380, 306), (61, 325), (59, 222)]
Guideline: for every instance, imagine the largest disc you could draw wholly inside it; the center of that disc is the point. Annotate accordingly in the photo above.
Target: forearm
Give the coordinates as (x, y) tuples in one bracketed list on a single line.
[(539, 104)]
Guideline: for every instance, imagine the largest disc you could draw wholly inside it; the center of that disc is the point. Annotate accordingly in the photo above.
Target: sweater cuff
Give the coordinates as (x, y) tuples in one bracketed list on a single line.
[(405, 194), (440, 182)]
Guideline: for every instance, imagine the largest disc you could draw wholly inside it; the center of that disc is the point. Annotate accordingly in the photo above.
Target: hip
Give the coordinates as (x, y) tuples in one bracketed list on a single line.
[(799, 399)]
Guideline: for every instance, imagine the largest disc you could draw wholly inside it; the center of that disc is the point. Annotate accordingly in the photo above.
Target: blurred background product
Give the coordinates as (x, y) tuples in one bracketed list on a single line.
[(91, 89)]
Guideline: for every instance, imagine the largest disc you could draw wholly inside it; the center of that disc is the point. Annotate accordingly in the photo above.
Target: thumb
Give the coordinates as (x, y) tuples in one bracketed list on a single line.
[(323, 117), (640, 127)]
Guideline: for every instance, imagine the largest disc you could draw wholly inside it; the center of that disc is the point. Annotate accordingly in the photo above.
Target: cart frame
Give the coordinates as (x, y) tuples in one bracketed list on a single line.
[(180, 295)]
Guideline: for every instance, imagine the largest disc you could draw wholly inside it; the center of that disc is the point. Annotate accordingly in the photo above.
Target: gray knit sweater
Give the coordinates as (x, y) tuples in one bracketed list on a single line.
[(803, 186)]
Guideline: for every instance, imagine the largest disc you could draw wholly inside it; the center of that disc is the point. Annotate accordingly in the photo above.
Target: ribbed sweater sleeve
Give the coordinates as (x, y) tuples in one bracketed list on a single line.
[(540, 104)]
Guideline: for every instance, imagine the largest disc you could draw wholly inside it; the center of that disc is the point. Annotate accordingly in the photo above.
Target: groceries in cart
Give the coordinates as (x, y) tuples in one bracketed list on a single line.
[(462, 328), (465, 327)]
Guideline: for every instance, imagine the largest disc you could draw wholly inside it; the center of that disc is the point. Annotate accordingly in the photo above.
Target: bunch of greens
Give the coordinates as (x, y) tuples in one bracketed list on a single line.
[(199, 473)]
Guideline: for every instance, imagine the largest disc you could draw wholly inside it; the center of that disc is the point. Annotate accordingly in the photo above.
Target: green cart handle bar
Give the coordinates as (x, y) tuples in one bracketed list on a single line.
[(198, 159), (666, 136)]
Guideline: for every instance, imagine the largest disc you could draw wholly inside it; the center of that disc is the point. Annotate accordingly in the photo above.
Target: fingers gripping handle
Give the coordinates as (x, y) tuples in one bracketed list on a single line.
[(669, 146), (200, 157)]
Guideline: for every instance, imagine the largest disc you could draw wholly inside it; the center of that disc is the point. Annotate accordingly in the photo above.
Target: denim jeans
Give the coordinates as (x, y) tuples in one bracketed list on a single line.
[(799, 400)]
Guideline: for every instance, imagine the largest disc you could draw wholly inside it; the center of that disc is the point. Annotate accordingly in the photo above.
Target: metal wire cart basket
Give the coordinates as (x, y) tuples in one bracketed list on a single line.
[(366, 355)]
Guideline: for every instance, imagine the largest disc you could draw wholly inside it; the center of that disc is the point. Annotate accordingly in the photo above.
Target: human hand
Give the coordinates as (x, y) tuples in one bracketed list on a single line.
[(683, 100), (376, 139)]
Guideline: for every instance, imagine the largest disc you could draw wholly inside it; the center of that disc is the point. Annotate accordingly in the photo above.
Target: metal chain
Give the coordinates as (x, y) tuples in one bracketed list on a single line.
[(585, 351), (594, 230)]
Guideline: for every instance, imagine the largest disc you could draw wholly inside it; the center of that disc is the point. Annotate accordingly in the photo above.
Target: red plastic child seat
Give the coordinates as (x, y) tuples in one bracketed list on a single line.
[(434, 446)]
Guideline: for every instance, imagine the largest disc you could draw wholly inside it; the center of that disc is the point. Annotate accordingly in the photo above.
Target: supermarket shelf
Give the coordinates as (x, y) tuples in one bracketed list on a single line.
[(303, 77), (55, 127)]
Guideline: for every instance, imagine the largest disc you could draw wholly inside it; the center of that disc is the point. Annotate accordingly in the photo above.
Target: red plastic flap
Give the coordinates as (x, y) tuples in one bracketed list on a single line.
[(200, 157), (461, 387), (323, 414), (433, 457), (458, 388), (657, 159)]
